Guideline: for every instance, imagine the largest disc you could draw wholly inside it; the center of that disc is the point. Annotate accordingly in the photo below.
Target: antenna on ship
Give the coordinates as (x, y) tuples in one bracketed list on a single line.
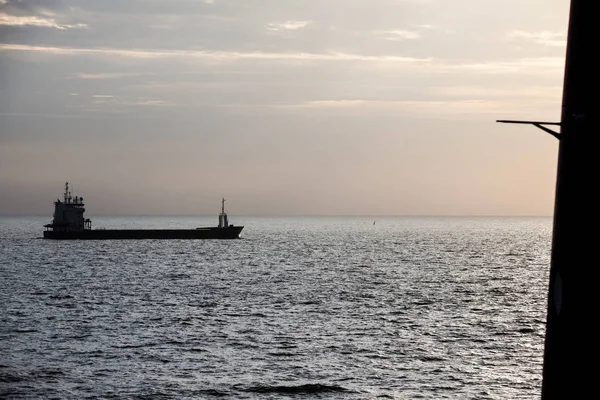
[(571, 335), (223, 222), (66, 195)]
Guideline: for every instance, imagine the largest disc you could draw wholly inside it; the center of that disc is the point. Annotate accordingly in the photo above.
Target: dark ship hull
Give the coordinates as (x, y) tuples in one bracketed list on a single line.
[(231, 232)]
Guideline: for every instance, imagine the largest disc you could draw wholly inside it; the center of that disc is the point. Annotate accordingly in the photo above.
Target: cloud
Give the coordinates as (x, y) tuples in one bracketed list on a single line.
[(96, 76), (287, 26), (531, 63), (540, 93), (214, 55), (330, 103), (545, 38), (28, 115), (32, 20), (381, 103), (433, 108), (398, 35), (152, 103), (534, 65)]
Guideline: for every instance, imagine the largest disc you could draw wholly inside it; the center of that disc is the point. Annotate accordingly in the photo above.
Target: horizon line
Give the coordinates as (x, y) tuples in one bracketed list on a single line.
[(305, 215)]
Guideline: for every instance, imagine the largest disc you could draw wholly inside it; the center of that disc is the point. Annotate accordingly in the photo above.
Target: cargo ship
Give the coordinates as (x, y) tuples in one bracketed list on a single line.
[(69, 223)]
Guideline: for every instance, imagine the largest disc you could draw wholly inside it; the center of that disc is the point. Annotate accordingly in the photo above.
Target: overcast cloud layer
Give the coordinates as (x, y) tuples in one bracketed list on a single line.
[(283, 107)]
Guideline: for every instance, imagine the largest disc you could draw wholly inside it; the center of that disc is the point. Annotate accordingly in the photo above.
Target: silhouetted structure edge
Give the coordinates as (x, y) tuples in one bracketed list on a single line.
[(571, 343)]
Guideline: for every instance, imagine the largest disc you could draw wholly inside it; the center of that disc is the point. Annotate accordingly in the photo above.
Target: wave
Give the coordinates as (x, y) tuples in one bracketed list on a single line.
[(308, 388)]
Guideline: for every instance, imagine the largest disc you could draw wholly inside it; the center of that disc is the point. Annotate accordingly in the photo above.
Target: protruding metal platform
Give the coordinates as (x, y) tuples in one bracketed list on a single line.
[(537, 124)]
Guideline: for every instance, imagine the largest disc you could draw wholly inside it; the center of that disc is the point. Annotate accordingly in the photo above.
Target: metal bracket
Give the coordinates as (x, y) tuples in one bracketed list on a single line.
[(536, 124)]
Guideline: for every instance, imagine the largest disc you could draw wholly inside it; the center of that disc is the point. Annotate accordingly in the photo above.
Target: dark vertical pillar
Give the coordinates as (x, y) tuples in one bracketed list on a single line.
[(571, 364)]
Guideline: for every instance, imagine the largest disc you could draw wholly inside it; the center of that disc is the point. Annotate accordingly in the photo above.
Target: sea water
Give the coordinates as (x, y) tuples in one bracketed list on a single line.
[(299, 307)]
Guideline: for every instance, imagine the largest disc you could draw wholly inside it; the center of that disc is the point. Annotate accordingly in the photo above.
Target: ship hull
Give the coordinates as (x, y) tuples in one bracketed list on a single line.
[(232, 232)]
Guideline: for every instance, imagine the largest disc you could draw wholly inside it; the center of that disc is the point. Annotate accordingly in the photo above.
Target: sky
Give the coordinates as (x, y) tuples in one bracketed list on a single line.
[(283, 107)]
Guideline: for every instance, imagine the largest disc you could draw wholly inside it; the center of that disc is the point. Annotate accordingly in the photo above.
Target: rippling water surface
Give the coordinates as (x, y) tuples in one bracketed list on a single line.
[(332, 308)]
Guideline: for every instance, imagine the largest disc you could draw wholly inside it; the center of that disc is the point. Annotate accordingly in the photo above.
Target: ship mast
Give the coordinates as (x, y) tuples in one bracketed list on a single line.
[(572, 344), (223, 221), (66, 194)]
